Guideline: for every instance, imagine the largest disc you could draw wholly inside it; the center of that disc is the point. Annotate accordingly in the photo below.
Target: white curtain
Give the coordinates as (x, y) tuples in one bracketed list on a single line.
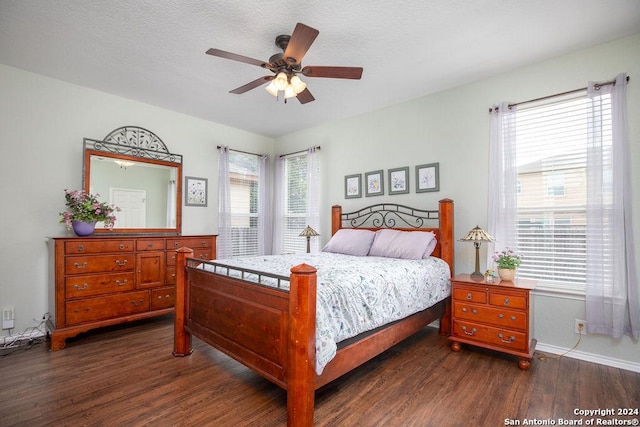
[(225, 248), (313, 194), (612, 304), (278, 208), (264, 207), (503, 180)]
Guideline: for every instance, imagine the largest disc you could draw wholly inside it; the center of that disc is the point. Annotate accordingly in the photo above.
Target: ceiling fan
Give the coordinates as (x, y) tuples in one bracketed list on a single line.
[(287, 65)]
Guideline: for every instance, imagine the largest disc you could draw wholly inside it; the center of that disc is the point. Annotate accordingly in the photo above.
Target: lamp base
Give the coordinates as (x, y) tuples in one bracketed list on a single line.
[(476, 275)]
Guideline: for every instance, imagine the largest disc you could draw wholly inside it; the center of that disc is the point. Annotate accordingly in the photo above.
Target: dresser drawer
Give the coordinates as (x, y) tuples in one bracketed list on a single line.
[(78, 247), (486, 334), (108, 307), (490, 315), (189, 242), (163, 297), (99, 264), (150, 244), (469, 295), (508, 300), (203, 254), (98, 284)]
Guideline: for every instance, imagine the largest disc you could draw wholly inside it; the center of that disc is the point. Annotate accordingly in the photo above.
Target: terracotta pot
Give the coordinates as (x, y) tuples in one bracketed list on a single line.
[(507, 274)]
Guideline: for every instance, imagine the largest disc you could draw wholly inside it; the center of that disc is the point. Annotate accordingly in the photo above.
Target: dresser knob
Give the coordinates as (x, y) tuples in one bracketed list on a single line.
[(474, 311), (513, 318), (469, 296), (149, 245), (506, 301), (472, 333), (500, 316), (121, 246), (464, 309), (80, 248), (175, 244), (203, 243)]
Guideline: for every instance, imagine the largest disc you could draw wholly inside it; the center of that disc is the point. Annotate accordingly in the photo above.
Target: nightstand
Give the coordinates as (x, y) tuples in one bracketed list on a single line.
[(494, 315)]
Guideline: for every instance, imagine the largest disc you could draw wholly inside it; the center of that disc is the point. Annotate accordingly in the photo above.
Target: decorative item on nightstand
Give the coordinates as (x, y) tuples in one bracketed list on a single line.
[(508, 262), (309, 232), (477, 235)]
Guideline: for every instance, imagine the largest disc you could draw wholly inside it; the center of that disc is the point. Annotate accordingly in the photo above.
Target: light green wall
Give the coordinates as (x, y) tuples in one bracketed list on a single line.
[(42, 125), (452, 127)]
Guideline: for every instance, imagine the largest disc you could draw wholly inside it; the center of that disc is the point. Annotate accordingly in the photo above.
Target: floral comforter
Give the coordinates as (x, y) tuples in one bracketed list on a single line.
[(358, 294)]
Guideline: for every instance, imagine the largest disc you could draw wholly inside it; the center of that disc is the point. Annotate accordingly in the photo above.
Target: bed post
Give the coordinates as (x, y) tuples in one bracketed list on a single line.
[(301, 348), (181, 338), (336, 218), (446, 253)]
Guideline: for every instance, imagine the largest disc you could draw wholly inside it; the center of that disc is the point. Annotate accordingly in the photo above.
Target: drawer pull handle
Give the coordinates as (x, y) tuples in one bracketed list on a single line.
[(474, 311), (77, 310), (500, 316), (464, 309), (149, 245), (175, 244), (76, 265), (469, 296), (159, 296), (506, 301), (80, 248), (509, 341), (124, 282), (472, 333), (84, 286), (121, 246), (203, 243), (513, 318), (121, 263), (137, 303)]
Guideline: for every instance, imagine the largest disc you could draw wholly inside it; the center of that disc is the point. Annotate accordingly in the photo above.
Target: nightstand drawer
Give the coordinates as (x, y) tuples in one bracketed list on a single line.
[(506, 300), (492, 316), (487, 334), (469, 295)]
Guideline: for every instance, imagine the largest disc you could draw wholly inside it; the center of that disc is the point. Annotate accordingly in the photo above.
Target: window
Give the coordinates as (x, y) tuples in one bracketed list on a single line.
[(297, 199), (551, 198), (243, 180)]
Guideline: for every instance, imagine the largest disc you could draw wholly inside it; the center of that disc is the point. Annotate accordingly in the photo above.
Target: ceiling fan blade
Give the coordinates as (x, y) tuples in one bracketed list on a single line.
[(305, 96), (235, 57), (251, 85), (301, 39), (333, 72)]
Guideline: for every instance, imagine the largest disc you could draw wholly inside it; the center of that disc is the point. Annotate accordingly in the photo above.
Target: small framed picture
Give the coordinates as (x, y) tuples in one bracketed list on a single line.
[(399, 180), (427, 178), (374, 183), (195, 191), (352, 186)]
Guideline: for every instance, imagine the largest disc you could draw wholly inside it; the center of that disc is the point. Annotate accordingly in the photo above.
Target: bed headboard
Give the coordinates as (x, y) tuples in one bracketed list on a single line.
[(400, 217)]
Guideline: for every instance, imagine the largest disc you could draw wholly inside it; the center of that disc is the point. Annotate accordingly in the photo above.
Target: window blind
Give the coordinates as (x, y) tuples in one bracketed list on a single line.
[(294, 203), (551, 158)]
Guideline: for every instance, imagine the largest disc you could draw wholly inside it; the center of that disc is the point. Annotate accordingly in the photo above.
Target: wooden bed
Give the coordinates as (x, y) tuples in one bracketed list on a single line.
[(272, 331)]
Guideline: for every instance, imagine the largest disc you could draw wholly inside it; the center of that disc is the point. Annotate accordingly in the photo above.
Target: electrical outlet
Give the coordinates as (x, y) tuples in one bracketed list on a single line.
[(8, 317), (581, 327)]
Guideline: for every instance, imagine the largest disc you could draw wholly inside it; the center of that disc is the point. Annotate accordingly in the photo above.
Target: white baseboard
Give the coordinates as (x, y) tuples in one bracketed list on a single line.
[(589, 357)]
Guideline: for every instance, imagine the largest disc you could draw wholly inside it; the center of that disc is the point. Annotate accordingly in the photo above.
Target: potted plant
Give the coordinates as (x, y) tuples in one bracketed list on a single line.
[(507, 261), (84, 210)]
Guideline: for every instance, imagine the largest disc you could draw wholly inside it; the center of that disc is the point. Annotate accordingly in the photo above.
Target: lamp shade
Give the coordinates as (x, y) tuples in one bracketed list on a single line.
[(309, 232), (477, 234)]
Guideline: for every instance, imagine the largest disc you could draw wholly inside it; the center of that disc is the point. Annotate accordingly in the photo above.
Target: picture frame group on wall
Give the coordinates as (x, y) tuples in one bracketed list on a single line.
[(195, 191), (427, 179)]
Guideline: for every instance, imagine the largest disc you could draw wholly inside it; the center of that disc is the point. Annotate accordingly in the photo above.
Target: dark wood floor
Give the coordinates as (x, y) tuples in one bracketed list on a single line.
[(126, 376)]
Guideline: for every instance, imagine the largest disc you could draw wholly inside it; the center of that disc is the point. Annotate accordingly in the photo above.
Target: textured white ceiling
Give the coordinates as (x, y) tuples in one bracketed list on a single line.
[(153, 51)]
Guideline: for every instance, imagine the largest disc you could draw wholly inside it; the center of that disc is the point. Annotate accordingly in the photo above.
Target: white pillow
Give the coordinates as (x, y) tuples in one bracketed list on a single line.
[(401, 244), (350, 242), (431, 246)]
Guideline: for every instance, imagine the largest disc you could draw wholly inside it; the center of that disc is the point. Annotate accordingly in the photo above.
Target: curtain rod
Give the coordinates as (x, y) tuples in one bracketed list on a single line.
[(244, 152), (317, 147), (569, 92)]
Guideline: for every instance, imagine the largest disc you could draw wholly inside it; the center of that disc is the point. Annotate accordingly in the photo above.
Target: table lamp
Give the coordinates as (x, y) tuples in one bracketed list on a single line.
[(477, 235), (309, 232)]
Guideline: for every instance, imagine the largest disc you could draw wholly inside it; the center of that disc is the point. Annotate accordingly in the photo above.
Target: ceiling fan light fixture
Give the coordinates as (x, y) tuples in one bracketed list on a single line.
[(298, 84), (272, 89), (281, 81), (289, 92)]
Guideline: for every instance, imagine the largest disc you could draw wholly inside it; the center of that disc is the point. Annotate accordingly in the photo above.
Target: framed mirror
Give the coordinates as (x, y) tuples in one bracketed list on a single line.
[(133, 170)]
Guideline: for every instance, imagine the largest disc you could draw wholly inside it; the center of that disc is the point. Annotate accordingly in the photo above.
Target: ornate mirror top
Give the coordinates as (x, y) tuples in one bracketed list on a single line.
[(134, 141)]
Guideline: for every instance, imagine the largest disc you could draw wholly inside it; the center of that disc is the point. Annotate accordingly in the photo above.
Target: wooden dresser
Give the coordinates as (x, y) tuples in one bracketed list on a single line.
[(494, 315), (101, 281)]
